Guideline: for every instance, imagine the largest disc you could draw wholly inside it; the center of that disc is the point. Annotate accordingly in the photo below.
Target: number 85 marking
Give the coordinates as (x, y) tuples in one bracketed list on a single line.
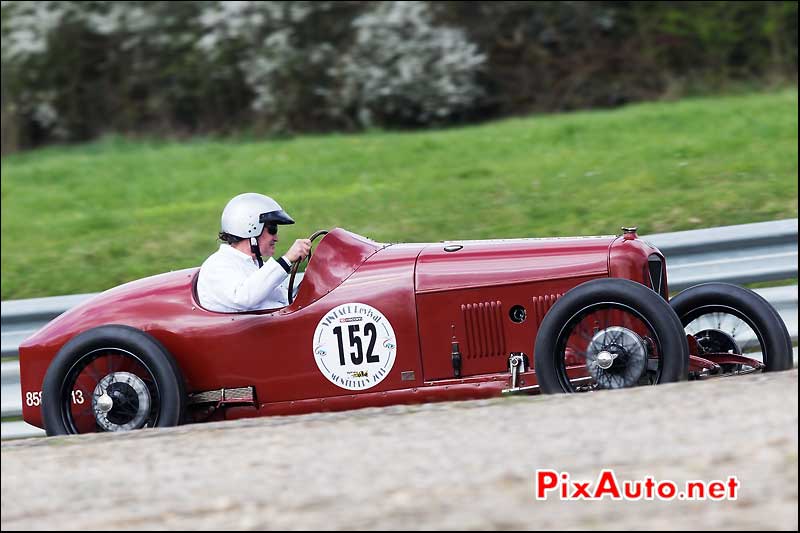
[(34, 399)]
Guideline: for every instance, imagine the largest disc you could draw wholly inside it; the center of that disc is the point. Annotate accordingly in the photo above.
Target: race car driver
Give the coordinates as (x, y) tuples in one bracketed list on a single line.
[(236, 277)]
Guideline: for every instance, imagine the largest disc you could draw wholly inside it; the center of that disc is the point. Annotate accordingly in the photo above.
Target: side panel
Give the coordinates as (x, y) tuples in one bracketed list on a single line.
[(281, 361), (481, 323), (469, 293)]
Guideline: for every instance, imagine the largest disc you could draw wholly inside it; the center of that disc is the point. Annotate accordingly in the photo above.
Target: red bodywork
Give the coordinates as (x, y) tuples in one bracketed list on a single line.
[(430, 296)]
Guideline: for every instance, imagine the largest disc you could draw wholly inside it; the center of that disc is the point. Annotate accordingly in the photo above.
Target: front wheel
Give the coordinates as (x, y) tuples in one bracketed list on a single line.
[(728, 319), (609, 334), (111, 378)]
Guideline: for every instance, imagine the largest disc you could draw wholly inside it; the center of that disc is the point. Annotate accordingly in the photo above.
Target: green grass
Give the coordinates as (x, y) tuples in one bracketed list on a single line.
[(86, 218), (769, 284)]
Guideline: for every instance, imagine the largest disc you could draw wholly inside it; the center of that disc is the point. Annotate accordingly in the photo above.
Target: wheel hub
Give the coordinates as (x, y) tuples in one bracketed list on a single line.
[(121, 402), (716, 341), (105, 403), (605, 359), (616, 357)]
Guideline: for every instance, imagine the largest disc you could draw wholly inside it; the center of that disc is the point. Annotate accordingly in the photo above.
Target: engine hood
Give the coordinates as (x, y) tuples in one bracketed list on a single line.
[(465, 264)]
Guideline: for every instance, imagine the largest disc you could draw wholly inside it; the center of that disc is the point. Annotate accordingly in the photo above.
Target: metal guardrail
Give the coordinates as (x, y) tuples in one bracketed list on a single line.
[(22, 318), (746, 253)]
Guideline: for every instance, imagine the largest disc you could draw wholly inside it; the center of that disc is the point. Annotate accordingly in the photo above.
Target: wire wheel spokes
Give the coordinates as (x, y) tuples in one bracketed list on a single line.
[(738, 330), (607, 346), (720, 332), (109, 390)]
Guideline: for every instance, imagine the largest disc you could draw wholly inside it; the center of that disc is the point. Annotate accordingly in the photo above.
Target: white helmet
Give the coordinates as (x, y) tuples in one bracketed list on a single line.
[(246, 214)]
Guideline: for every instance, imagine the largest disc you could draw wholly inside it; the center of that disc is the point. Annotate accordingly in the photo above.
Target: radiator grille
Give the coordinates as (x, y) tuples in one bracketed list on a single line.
[(484, 326), (656, 273)]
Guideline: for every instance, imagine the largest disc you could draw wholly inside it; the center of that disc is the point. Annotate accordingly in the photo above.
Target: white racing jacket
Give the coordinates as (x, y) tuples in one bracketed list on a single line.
[(231, 281)]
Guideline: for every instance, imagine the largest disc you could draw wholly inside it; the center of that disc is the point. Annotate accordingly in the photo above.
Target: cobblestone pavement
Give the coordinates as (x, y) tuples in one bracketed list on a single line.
[(465, 465)]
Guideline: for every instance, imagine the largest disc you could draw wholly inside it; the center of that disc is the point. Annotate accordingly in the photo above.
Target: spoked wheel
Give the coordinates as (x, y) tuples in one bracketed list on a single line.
[(609, 334), (110, 390), (611, 343), (112, 378), (720, 334), (734, 328)]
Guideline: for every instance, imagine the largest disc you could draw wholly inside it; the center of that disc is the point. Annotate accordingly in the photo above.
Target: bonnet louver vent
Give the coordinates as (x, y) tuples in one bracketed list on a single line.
[(484, 327), (541, 305)]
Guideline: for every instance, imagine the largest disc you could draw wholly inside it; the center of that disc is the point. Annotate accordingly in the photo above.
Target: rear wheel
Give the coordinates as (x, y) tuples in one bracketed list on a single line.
[(728, 319), (111, 378), (609, 334)]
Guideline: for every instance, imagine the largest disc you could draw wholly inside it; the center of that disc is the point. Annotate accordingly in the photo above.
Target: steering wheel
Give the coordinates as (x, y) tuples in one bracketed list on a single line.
[(296, 264)]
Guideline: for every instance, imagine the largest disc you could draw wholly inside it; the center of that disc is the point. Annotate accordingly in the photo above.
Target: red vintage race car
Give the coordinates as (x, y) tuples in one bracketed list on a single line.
[(378, 324)]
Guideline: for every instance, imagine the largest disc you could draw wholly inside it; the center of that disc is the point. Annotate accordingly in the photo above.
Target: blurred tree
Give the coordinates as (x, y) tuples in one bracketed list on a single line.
[(404, 69), (75, 70)]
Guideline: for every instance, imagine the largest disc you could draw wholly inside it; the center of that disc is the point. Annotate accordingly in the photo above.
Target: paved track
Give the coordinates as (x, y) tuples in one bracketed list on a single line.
[(457, 465)]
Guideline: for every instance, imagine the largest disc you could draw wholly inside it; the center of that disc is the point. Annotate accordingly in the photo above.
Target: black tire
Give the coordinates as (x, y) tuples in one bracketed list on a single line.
[(148, 386), (775, 344), (626, 305)]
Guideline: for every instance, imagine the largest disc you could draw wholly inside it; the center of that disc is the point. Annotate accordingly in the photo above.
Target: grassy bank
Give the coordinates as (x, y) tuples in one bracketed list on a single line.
[(86, 218)]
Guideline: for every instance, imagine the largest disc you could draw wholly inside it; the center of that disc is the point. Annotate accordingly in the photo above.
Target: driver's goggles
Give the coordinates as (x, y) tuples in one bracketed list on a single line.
[(272, 229)]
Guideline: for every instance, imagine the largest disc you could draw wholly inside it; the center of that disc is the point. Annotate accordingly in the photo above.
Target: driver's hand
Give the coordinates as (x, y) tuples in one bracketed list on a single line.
[(299, 250)]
